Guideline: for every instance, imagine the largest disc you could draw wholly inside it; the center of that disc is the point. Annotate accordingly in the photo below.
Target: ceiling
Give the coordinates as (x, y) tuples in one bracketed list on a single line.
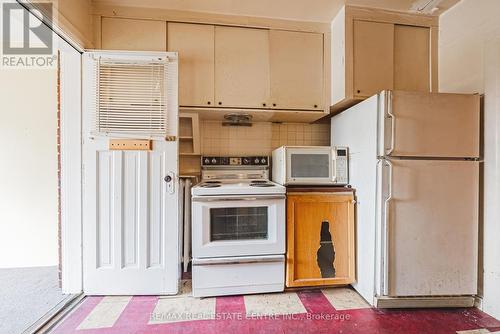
[(406, 5), (300, 10)]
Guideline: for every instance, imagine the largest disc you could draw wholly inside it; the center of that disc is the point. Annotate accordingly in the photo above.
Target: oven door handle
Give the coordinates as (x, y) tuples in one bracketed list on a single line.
[(234, 198), (235, 260)]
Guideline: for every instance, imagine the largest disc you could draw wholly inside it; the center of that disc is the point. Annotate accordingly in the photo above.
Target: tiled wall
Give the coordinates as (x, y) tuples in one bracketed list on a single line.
[(259, 139)]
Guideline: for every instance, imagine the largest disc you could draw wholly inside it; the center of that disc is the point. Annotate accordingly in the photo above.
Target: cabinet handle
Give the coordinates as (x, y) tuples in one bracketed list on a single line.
[(358, 91), (274, 104), (220, 103), (209, 102), (315, 106), (263, 104)]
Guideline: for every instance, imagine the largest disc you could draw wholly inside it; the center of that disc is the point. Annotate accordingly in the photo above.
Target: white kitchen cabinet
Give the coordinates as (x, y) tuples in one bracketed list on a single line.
[(412, 63), (242, 67), (133, 34), (374, 50), (296, 63), (195, 45), (373, 58), (275, 74)]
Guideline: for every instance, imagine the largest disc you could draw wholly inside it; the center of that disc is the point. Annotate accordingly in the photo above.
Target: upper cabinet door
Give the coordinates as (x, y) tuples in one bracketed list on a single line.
[(241, 67), (297, 80), (412, 66), (134, 35), (373, 51), (195, 45)]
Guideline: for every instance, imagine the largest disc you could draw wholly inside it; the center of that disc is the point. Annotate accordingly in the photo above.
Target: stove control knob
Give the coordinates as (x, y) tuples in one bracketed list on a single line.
[(206, 161), (263, 161), (256, 161), (214, 161), (246, 161)]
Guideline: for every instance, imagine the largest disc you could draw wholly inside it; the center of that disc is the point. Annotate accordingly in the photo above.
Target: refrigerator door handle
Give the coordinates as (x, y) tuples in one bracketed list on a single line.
[(393, 122), (386, 229)]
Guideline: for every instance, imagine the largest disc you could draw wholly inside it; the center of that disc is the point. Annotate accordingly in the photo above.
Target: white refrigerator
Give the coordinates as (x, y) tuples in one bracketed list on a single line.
[(414, 162)]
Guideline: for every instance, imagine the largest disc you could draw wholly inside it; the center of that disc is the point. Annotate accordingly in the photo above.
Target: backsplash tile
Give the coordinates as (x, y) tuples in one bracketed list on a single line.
[(259, 139)]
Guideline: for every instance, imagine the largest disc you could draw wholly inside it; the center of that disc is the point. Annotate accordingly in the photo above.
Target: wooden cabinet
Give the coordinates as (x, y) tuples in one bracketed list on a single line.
[(133, 35), (242, 67), (320, 237), (195, 45), (296, 60), (374, 50)]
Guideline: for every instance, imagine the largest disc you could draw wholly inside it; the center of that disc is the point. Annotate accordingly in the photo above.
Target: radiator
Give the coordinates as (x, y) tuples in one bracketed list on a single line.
[(185, 214)]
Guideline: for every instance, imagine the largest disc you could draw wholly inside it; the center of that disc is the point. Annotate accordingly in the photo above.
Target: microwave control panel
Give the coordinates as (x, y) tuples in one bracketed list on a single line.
[(341, 165)]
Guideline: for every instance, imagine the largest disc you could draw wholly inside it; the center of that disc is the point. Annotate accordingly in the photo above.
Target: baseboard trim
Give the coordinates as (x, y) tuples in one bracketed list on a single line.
[(478, 302), (424, 302)]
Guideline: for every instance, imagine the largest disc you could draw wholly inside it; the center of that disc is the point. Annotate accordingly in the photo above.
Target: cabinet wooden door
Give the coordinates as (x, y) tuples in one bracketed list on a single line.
[(134, 35), (241, 67), (412, 66), (195, 45), (296, 70), (320, 239), (373, 52)]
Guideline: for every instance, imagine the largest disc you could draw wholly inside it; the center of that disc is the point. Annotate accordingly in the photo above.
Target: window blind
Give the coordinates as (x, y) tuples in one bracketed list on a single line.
[(131, 97)]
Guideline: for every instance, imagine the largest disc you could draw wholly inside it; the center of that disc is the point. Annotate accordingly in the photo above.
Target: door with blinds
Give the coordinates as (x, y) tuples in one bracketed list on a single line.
[(130, 217)]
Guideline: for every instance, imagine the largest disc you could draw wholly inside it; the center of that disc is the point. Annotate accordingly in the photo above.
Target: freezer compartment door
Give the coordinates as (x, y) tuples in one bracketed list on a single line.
[(429, 231), (416, 124)]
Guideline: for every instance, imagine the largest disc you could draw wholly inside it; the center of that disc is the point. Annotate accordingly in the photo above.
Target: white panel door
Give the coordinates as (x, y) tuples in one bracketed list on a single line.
[(130, 217), (130, 220)]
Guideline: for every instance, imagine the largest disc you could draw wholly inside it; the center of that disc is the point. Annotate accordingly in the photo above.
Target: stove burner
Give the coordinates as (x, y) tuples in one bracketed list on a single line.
[(212, 182), (209, 185), (258, 181), (261, 185)]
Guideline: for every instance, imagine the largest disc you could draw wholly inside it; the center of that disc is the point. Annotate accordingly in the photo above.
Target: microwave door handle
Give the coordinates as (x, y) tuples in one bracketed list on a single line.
[(334, 166)]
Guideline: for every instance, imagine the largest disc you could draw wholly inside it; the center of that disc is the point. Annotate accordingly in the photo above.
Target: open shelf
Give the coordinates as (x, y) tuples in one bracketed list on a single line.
[(189, 145)]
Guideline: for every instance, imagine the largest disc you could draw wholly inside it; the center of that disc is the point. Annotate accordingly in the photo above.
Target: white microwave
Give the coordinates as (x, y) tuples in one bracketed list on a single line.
[(310, 165)]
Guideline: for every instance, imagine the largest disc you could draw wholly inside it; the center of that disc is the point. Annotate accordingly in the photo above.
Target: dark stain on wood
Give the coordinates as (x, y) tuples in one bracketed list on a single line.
[(326, 252)]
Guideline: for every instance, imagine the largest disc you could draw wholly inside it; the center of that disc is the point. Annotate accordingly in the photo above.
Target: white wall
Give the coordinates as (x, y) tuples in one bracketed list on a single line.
[(463, 30), (28, 167), (491, 288), (469, 61)]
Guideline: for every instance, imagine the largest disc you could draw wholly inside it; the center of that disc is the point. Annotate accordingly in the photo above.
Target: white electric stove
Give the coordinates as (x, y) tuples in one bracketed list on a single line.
[(238, 228)]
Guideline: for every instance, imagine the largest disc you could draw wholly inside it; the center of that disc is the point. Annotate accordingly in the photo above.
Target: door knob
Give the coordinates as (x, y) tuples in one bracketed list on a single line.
[(169, 179)]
